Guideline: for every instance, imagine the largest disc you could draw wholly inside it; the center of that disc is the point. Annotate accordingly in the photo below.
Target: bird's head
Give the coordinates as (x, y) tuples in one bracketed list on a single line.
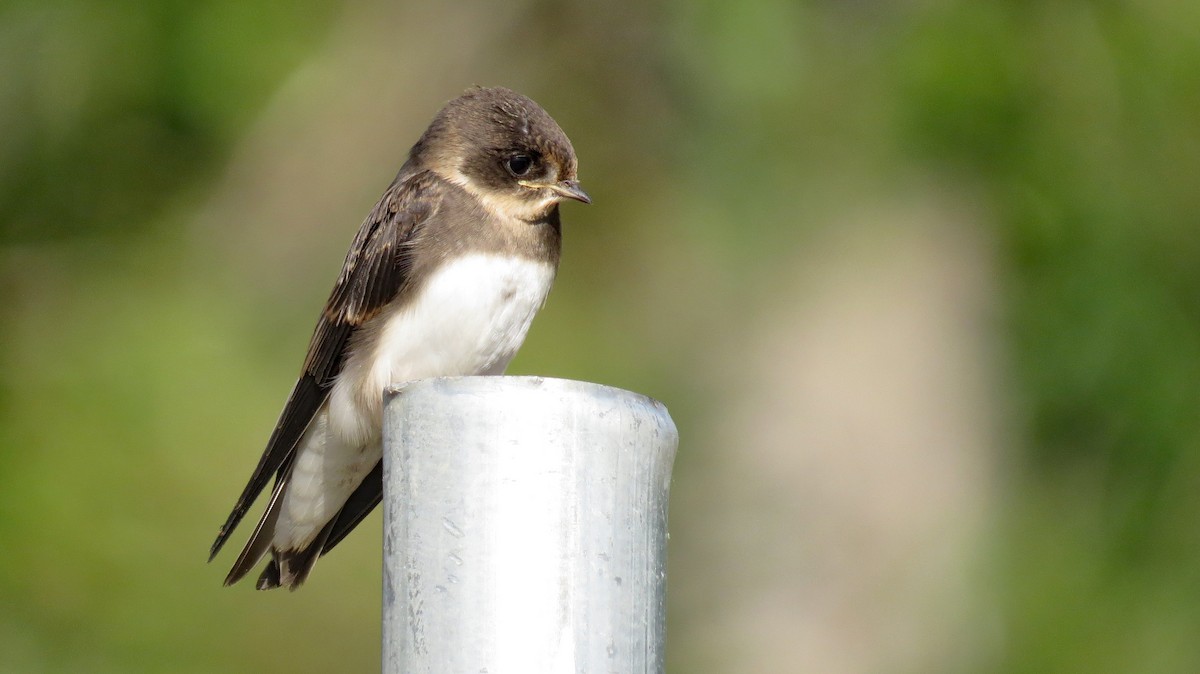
[(504, 149)]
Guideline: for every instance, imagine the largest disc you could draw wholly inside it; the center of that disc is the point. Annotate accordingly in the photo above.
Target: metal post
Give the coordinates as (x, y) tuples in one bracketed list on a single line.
[(525, 527)]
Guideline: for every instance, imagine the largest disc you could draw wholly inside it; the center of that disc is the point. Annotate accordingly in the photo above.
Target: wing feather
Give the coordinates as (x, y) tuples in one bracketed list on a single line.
[(374, 271), (360, 504)]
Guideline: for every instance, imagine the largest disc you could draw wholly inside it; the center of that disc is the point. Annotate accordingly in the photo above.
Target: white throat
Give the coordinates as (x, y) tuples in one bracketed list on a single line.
[(503, 205)]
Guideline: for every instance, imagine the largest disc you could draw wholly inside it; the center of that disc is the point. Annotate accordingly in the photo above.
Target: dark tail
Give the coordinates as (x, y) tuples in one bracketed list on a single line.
[(290, 568), (260, 540)]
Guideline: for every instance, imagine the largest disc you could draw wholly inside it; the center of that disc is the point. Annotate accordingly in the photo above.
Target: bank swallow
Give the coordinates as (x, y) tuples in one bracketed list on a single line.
[(443, 278)]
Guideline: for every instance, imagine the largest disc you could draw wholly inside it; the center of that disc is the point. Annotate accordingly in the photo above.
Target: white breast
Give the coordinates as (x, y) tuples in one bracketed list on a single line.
[(469, 318)]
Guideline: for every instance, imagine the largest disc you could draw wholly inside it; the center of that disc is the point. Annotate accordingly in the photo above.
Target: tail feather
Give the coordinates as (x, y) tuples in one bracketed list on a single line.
[(260, 540), (360, 504), (269, 580), (290, 568)]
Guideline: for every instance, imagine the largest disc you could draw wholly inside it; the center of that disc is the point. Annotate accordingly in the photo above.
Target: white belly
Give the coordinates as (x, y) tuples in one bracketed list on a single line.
[(470, 318)]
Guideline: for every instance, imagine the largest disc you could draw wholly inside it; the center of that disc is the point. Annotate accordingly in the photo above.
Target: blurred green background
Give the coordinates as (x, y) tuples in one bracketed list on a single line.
[(919, 282)]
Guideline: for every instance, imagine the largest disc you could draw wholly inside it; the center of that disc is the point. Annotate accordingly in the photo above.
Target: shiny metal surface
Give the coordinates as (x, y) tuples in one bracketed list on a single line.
[(525, 527)]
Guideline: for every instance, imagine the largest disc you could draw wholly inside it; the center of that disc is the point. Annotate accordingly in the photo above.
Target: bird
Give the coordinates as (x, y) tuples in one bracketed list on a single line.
[(443, 278)]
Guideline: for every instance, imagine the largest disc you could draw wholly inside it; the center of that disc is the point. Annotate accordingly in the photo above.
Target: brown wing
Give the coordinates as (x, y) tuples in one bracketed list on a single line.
[(360, 504), (374, 271)]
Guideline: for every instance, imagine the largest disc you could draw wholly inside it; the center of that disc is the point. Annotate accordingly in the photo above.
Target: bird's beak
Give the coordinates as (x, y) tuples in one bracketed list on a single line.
[(570, 189), (567, 189)]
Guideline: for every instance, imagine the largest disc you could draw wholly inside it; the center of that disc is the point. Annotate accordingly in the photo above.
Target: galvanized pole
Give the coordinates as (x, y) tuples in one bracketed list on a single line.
[(525, 527)]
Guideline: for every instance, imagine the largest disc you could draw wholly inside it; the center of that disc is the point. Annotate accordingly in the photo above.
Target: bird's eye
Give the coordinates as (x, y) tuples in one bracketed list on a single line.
[(519, 164)]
